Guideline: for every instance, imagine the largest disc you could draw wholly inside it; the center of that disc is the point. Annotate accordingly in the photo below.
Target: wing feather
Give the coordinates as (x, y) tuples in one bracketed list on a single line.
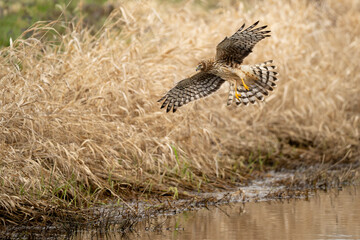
[(197, 86), (235, 48)]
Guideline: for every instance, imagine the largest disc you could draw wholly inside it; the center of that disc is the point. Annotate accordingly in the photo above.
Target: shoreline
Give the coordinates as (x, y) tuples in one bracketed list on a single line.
[(272, 186)]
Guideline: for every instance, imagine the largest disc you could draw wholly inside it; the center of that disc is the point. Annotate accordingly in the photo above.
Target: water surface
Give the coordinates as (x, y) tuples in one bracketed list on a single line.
[(326, 215)]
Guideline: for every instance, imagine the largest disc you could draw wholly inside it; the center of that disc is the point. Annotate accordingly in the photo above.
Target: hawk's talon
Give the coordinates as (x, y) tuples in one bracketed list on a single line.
[(237, 95), (245, 86)]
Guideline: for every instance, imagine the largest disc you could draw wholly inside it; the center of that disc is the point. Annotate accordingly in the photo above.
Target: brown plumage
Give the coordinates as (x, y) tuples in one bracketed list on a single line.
[(248, 83)]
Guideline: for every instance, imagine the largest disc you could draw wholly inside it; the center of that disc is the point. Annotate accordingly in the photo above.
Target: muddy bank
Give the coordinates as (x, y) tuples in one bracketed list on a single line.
[(125, 217)]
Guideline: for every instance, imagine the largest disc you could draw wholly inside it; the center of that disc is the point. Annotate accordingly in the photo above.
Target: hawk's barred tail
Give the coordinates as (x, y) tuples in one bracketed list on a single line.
[(266, 78)]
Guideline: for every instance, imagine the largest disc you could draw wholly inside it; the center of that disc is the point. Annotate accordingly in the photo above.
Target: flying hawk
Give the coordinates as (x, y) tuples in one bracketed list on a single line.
[(248, 83)]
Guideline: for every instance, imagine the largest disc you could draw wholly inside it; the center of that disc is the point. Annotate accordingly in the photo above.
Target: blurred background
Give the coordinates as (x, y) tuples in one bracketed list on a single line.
[(18, 15)]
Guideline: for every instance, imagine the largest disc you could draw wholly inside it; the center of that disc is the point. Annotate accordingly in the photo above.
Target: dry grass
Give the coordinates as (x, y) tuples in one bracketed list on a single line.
[(80, 124)]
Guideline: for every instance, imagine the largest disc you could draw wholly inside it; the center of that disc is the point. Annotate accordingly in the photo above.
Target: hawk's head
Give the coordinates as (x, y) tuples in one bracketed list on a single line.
[(202, 66)]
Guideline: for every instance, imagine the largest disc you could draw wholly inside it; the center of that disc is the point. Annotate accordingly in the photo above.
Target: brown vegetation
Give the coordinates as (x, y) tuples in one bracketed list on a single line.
[(80, 123)]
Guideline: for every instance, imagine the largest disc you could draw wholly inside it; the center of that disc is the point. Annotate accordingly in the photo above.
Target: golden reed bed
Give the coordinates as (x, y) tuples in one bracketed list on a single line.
[(80, 122)]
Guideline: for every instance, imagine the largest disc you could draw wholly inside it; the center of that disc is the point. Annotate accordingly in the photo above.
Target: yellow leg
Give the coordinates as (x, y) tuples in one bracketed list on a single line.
[(236, 94), (245, 86)]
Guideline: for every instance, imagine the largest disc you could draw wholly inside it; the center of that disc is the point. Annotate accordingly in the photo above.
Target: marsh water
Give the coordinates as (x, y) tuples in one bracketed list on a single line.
[(334, 214)]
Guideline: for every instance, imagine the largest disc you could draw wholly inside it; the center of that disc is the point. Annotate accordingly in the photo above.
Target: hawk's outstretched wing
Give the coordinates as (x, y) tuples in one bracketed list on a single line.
[(197, 86), (235, 48)]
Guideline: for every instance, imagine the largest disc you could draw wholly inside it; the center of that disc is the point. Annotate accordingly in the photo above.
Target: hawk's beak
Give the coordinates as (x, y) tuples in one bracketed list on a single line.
[(198, 68)]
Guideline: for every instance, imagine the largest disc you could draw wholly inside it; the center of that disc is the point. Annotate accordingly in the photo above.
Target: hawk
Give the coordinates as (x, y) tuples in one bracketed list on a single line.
[(248, 83)]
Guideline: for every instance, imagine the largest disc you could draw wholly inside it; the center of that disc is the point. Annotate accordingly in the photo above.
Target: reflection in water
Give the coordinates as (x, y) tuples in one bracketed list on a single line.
[(332, 215)]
